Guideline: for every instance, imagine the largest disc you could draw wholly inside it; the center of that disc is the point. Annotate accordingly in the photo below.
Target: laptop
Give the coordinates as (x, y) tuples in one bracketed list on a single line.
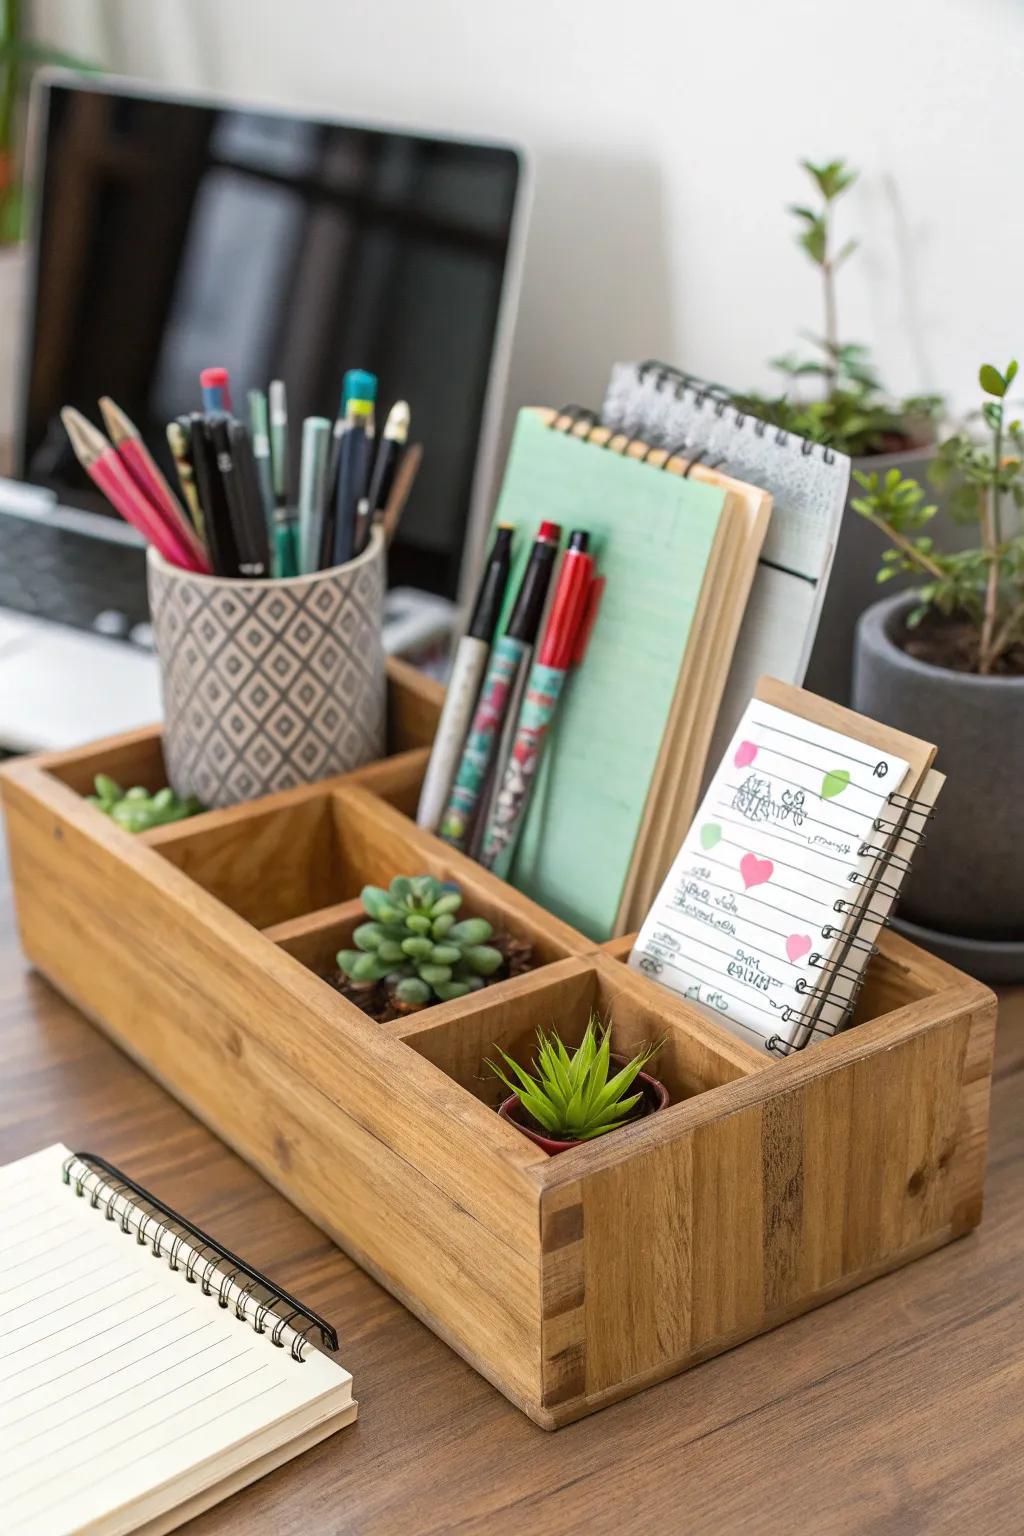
[(172, 232)]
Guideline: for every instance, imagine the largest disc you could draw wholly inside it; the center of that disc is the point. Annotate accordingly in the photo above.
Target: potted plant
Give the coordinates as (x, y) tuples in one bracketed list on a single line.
[(20, 56), (833, 396), (415, 951), (136, 809), (571, 1098), (946, 662)]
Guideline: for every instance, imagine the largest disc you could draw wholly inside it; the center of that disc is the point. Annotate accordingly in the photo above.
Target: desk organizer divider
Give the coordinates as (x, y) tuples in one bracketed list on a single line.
[(765, 1189)]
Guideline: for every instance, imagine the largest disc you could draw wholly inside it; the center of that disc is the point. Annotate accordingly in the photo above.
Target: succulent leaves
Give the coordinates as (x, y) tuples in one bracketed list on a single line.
[(571, 1096), (414, 941), (136, 809)]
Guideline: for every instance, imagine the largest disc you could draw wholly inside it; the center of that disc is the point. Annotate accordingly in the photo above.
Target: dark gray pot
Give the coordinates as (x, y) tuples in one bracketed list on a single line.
[(853, 587), (965, 896)]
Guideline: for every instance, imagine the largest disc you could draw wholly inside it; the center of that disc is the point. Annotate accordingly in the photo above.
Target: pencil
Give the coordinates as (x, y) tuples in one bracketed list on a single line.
[(143, 469), (99, 458)]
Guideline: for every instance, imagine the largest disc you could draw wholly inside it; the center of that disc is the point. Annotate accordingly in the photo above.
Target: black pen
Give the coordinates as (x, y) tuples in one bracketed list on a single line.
[(241, 488), (220, 537), (339, 526)]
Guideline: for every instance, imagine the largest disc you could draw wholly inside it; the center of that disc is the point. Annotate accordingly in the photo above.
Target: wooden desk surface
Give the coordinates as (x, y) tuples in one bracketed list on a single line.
[(897, 1409)]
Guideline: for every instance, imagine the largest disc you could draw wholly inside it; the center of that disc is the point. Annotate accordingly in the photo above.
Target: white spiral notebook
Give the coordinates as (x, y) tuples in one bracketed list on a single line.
[(772, 908), (808, 484), (147, 1373)]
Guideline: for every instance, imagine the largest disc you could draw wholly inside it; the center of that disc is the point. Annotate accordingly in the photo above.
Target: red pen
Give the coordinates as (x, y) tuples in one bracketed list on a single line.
[(144, 470), (99, 459), (565, 637), (574, 580)]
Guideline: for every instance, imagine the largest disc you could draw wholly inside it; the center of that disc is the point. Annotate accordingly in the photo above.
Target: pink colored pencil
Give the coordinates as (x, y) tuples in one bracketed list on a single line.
[(99, 459), (145, 472)]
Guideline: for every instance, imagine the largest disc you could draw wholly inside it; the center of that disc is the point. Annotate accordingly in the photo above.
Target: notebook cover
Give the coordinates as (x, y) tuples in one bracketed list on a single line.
[(652, 534)]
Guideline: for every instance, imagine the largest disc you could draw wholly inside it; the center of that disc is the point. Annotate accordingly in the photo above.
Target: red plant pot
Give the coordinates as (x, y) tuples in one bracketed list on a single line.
[(655, 1097)]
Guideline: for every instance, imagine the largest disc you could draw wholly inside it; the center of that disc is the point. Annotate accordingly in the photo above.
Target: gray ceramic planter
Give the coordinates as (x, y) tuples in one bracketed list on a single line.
[(965, 897)]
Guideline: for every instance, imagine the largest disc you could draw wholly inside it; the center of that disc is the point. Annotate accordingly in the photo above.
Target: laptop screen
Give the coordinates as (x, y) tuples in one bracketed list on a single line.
[(174, 235)]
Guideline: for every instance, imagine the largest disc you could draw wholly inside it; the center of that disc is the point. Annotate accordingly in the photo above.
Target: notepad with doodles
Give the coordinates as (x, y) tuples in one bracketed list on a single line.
[(770, 912), (140, 1380)]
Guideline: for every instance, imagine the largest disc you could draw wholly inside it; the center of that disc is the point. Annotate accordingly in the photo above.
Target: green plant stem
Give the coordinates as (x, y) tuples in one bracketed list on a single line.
[(1004, 637), (924, 561), (989, 522), (831, 315)]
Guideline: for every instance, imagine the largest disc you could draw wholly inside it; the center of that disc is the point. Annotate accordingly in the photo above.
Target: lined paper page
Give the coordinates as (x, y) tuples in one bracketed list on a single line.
[(118, 1377), (747, 919)]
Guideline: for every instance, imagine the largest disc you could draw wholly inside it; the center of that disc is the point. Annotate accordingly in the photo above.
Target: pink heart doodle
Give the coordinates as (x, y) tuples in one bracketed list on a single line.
[(797, 946), (745, 754), (755, 871)]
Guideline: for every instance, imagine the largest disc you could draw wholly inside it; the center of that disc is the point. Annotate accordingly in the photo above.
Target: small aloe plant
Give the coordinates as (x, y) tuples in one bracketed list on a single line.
[(414, 942), (572, 1097), (136, 809)]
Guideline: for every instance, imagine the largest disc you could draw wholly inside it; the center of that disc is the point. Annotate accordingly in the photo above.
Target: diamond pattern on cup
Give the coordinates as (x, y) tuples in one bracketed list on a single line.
[(268, 685)]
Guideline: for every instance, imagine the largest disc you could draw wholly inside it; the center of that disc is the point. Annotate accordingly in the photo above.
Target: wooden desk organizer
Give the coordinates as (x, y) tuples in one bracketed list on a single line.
[(766, 1189)]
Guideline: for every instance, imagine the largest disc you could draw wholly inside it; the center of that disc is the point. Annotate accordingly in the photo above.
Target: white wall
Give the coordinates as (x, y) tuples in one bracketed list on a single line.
[(665, 135)]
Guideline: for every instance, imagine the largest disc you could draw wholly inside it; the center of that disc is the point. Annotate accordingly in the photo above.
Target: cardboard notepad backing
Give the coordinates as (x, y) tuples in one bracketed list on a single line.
[(620, 780)]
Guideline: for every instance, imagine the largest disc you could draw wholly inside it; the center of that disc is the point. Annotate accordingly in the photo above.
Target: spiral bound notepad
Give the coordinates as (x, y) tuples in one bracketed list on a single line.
[(147, 1373), (770, 912), (677, 545), (808, 483)]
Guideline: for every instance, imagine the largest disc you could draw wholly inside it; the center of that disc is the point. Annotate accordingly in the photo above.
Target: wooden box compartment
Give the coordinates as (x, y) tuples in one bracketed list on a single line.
[(765, 1189)]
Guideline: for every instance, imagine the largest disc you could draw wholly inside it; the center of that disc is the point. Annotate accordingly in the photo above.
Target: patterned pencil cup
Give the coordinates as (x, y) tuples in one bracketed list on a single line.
[(269, 684)]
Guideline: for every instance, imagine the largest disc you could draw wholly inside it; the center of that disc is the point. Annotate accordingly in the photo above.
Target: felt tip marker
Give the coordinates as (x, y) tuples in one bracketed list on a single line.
[(464, 683)]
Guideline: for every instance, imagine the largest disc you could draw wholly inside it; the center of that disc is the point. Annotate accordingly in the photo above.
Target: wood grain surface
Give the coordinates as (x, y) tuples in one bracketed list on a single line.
[(897, 1409)]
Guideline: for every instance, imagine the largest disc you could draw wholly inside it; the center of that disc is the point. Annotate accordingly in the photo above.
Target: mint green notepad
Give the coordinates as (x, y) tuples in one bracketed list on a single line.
[(651, 534)]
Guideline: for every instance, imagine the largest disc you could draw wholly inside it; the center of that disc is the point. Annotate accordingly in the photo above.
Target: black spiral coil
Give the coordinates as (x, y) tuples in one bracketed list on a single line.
[(809, 1024), (719, 399), (188, 1249)]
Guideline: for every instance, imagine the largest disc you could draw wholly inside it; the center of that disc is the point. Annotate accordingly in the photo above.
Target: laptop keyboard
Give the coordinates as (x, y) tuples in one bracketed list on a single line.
[(71, 578)]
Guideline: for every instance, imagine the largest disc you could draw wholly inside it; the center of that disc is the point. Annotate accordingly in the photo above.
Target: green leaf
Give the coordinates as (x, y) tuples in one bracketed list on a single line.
[(472, 930), (368, 936), (374, 899), (418, 947), (412, 990), (445, 905), (482, 959), (106, 787), (400, 890), (446, 954), (369, 968), (434, 973), (991, 380), (447, 990), (813, 242), (1011, 372)]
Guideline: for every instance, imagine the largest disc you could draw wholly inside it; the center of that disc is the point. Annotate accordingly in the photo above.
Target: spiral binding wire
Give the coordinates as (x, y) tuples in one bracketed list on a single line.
[(185, 1247), (719, 399), (809, 1023), (572, 415)]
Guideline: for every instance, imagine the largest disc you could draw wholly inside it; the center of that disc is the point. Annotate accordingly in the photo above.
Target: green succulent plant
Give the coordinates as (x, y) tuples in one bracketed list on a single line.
[(414, 941), (136, 809), (572, 1097)]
